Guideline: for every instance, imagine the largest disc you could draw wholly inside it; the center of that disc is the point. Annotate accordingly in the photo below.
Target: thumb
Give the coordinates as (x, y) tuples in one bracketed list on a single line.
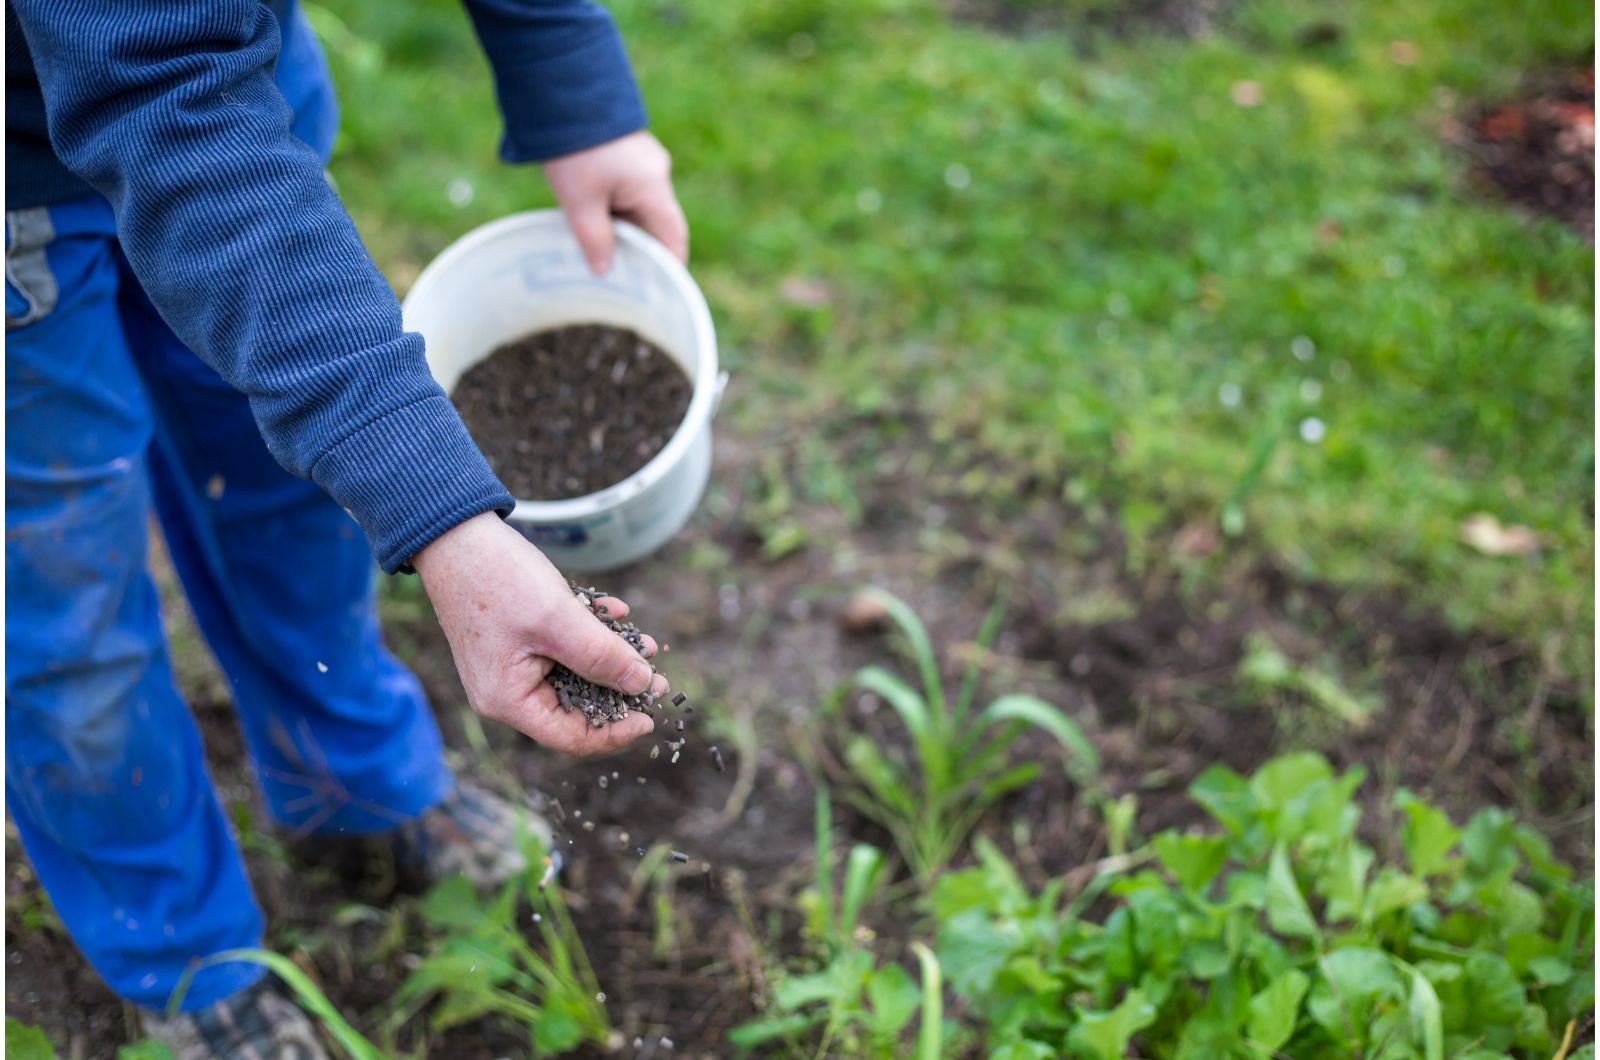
[(590, 650), (590, 220)]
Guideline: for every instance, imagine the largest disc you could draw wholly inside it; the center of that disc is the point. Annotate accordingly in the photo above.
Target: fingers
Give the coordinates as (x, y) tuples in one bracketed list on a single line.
[(590, 220), (541, 718), (662, 217), (613, 607), (585, 646), (614, 736)]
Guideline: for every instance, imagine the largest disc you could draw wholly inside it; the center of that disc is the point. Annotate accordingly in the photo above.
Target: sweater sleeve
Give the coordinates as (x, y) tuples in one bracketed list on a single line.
[(168, 108), (560, 74)]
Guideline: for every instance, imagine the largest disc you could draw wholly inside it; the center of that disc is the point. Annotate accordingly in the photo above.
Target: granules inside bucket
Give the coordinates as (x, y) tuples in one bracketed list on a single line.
[(569, 411)]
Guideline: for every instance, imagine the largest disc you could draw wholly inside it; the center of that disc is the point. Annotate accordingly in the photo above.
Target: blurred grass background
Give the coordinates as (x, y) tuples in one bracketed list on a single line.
[(1079, 250)]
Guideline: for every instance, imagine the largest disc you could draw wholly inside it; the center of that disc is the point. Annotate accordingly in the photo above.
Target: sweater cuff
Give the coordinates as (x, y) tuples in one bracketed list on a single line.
[(409, 476), (568, 102)]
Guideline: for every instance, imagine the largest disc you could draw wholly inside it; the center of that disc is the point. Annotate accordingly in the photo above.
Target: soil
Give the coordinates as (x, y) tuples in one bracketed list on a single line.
[(1143, 651), (1538, 149), (567, 412)]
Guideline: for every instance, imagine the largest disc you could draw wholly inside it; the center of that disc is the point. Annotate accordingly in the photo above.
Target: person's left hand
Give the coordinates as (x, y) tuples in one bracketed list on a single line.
[(630, 178)]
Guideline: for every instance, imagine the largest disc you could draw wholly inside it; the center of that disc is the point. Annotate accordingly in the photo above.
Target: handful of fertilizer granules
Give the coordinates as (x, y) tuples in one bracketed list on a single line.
[(598, 703)]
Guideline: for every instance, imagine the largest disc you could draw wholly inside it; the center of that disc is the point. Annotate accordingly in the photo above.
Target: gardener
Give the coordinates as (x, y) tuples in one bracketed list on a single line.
[(187, 309)]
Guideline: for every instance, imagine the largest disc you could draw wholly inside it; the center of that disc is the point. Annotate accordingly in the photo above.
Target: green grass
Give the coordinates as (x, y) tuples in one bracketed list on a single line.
[(1126, 242)]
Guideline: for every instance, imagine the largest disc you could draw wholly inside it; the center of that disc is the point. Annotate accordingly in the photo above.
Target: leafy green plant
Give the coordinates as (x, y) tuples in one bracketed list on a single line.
[(27, 1042), (1283, 935), (851, 1004), (958, 761), (1268, 672), (482, 966)]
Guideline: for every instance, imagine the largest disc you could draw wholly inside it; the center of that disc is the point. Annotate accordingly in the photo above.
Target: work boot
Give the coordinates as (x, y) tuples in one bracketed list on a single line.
[(260, 1022), (474, 833)]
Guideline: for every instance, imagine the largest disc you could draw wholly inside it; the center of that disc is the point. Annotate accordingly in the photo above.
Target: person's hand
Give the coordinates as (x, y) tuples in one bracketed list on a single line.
[(509, 616), (631, 178)]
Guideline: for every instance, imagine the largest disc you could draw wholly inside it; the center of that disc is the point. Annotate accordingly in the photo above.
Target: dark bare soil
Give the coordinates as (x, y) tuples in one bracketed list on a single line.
[(1145, 655), (1538, 149), (568, 412)]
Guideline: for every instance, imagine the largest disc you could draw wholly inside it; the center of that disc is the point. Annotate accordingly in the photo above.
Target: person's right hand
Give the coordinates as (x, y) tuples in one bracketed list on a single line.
[(510, 616)]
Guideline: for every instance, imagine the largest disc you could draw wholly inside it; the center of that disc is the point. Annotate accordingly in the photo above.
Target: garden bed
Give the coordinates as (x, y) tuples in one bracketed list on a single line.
[(1147, 662)]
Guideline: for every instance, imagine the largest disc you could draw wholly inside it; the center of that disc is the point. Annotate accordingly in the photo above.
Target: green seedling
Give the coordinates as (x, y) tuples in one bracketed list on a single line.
[(852, 1005), (482, 966), (959, 761)]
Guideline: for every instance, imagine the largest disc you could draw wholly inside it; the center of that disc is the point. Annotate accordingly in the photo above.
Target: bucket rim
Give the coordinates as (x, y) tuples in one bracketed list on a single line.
[(704, 381)]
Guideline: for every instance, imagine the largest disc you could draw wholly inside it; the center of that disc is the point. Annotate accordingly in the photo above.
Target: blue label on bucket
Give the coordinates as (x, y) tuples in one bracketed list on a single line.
[(569, 535)]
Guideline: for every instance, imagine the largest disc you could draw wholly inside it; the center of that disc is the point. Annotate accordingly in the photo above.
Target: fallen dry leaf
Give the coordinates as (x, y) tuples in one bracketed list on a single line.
[(1246, 93), (807, 292), (1402, 53), (1484, 533), (1196, 539)]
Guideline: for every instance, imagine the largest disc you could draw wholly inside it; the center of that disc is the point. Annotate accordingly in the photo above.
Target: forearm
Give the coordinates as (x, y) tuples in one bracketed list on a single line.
[(169, 110), (561, 76)]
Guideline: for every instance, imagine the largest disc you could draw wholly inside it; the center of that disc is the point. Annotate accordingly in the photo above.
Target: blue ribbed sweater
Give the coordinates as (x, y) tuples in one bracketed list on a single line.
[(168, 109)]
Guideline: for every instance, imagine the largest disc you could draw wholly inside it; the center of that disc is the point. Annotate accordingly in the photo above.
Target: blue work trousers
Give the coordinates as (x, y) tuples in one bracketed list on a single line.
[(109, 416)]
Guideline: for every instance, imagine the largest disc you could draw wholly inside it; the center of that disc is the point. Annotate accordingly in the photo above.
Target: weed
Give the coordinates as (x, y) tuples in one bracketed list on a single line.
[(853, 1005), (958, 764), (482, 965)]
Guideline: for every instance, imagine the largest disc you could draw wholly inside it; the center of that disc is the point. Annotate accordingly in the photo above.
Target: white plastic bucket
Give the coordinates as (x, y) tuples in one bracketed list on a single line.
[(525, 273)]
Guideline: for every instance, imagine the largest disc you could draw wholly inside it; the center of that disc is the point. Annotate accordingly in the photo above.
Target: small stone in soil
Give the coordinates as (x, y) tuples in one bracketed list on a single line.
[(679, 856)]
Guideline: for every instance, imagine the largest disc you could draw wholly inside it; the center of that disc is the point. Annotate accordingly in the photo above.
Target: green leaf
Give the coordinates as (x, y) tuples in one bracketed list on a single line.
[(1083, 762), (1353, 982), (880, 777), (1274, 1011), (893, 997), (1392, 890), (1105, 1035), (149, 1049), (1225, 795), (1426, 1016), (1426, 834), (862, 870), (556, 1030), (1023, 1050), (1551, 970), (25, 1042), (930, 1034), (973, 950), (1495, 992), (906, 701), (990, 629), (1194, 860), (1287, 912), (1344, 880), (453, 904), (1012, 779), (759, 1032), (1287, 777), (916, 635)]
